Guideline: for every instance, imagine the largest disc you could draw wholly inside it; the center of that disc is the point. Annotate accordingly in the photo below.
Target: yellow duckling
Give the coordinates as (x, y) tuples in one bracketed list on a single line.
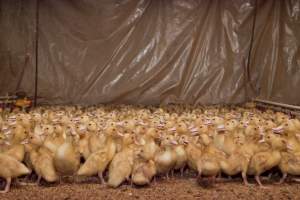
[(236, 163), (42, 161), (83, 143), (67, 157), (165, 159), (143, 169), (54, 137), (121, 165), (266, 160), (99, 160), (181, 154), (96, 140), (208, 164), (149, 146), (11, 168)]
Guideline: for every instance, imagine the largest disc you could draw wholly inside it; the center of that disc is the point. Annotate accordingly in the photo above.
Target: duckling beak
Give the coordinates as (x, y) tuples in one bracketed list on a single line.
[(7, 142), (262, 140), (193, 130), (221, 127), (120, 134), (289, 147), (120, 124), (174, 142), (24, 142), (208, 122), (160, 125), (173, 129), (194, 133), (76, 120), (142, 123), (278, 129)]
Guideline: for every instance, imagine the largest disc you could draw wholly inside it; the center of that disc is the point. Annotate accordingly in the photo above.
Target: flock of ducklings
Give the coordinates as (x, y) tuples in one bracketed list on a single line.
[(137, 143)]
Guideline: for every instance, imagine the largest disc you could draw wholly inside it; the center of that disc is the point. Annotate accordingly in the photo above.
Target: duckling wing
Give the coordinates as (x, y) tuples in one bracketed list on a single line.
[(17, 152), (46, 167), (120, 168), (96, 162), (11, 167)]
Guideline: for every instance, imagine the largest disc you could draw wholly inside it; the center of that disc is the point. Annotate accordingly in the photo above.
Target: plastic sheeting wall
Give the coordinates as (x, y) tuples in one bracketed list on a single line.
[(149, 52), (275, 60), (17, 46)]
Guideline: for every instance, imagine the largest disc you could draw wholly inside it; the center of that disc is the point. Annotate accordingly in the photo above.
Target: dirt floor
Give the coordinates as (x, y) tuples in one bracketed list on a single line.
[(174, 188)]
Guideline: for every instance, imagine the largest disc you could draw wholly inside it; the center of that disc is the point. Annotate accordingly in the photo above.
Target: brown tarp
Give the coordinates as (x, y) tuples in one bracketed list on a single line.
[(135, 51), (275, 67), (17, 42)]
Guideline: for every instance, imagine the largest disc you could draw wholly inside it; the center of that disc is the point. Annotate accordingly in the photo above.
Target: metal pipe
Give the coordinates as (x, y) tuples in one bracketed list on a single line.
[(278, 104), (36, 52)]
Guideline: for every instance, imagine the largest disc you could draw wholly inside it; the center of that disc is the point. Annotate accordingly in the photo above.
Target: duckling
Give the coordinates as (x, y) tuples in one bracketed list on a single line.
[(181, 154), (67, 157), (97, 162), (42, 161), (54, 137), (150, 148), (11, 168), (194, 151), (266, 160), (236, 163), (208, 164), (289, 164), (291, 134), (121, 165), (83, 143), (165, 159), (96, 140), (143, 169)]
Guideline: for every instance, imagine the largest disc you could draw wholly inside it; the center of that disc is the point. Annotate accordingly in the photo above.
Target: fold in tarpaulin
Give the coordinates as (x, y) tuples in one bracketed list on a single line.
[(150, 52)]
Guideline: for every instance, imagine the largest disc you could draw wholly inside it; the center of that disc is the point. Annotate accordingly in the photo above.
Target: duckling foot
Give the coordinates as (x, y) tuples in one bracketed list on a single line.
[(182, 171), (296, 179), (167, 175), (259, 183), (100, 175), (7, 186), (24, 183), (282, 179)]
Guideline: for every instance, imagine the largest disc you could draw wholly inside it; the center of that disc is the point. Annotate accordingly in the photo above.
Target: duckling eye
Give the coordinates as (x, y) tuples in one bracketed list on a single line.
[(47, 128), (286, 124), (90, 124), (227, 124), (167, 138), (201, 126), (114, 129)]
